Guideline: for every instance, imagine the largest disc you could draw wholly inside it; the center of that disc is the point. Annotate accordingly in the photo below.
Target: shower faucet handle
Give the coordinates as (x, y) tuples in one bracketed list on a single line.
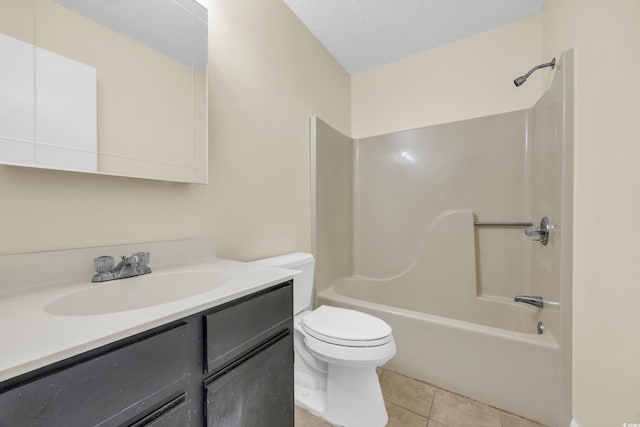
[(540, 233), (531, 300), (532, 231), (537, 301)]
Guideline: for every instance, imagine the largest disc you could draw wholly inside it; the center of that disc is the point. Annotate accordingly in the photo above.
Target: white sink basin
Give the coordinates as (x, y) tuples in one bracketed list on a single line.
[(137, 292)]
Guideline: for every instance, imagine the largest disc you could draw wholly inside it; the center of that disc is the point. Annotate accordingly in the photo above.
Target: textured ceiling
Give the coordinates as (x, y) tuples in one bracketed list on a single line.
[(364, 34)]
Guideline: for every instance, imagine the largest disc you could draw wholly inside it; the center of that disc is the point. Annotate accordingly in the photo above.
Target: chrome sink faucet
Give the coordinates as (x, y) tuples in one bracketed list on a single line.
[(134, 265)]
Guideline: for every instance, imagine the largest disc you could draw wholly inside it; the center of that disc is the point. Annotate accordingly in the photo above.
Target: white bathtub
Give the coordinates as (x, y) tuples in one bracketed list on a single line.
[(514, 371)]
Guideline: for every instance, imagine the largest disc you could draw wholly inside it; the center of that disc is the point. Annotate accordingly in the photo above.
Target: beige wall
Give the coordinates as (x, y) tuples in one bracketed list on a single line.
[(606, 344), (469, 78), (268, 74)]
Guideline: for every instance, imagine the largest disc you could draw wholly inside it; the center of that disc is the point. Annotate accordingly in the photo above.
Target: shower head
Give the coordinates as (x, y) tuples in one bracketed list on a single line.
[(520, 80)]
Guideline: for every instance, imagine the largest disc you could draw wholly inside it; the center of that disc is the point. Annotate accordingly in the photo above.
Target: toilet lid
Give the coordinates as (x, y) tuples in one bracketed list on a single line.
[(346, 327)]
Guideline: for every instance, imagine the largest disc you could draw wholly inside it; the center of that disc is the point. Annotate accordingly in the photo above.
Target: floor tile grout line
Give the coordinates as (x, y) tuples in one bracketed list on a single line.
[(411, 379), (407, 409), (433, 400)]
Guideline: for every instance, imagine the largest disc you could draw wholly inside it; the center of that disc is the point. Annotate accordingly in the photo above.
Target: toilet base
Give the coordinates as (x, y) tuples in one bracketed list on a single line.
[(309, 390), (313, 401), (353, 398)]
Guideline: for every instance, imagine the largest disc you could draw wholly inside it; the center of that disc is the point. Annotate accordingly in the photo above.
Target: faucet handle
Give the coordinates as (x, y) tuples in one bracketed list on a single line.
[(142, 258), (103, 264), (540, 233), (532, 231)]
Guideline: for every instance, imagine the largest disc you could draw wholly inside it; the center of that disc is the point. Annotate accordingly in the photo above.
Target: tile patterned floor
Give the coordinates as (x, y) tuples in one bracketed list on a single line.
[(412, 403)]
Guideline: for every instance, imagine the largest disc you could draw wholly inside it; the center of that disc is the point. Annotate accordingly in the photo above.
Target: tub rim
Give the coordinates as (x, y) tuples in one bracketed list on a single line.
[(547, 339)]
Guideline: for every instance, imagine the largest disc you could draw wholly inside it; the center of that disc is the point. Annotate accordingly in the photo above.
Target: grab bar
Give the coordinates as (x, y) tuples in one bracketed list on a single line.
[(502, 224)]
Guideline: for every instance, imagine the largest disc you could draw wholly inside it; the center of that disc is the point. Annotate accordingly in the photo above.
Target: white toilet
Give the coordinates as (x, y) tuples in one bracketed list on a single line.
[(336, 354)]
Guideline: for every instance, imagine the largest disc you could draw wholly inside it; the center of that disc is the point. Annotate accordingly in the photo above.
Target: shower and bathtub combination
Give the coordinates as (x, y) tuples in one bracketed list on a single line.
[(425, 229)]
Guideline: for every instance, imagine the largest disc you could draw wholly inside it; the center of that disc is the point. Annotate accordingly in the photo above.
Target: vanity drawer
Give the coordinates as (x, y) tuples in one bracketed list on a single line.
[(245, 324), (106, 390)]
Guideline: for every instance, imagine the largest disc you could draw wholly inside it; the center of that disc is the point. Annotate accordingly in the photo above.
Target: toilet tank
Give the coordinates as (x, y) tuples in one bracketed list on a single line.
[(302, 283)]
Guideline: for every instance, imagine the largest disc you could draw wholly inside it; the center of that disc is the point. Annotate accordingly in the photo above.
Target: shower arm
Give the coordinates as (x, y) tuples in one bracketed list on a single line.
[(520, 80), (551, 64)]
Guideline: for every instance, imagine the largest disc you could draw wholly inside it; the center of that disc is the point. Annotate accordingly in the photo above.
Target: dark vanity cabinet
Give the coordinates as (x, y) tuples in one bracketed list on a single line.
[(111, 388), (229, 366)]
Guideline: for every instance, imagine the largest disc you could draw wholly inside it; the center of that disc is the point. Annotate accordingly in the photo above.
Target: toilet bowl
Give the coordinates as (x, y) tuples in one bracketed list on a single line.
[(336, 354), (335, 367)]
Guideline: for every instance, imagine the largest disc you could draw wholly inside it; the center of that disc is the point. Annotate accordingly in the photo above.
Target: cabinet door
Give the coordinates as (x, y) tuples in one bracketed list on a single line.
[(257, 390), (107, 390)]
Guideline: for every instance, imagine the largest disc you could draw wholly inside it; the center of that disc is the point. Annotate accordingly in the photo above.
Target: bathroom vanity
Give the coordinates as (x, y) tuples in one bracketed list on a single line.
[(225, 360)]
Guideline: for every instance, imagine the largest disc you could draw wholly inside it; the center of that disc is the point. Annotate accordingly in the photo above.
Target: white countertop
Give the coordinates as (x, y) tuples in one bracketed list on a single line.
[(32, 338)]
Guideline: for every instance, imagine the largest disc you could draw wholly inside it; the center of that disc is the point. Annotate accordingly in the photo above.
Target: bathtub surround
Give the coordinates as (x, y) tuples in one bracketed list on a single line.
[(444, 269), (331, 201), (551, 192), (416, 194), (447, 287), (405, 181)]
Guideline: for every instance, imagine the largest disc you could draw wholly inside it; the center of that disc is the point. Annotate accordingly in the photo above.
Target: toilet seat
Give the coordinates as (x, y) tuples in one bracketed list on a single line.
[(347, 328), (359, 357)]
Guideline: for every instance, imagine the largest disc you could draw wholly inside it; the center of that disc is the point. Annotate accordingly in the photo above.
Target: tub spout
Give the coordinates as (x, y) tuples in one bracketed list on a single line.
[(536, 301)]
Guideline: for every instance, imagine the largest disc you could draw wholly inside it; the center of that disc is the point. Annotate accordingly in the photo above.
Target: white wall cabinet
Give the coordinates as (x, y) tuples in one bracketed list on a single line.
[(48, 113)]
